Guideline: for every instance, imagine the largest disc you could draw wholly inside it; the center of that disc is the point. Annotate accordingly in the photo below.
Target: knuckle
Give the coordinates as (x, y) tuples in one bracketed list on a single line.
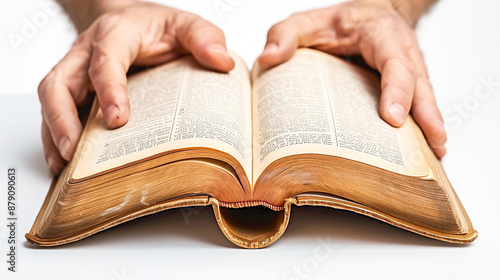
[(424, 76), (46, 83), (347, 26), (53, 119), (193, 17), (106, 23), (407, 65), (106, 93), (403, 91), (347, 19), (184, 23), (298, 15), (278, 28), (411, 68), (83, 37), (175, 20), (200, 29), (181, 17), (295, 18), (400, 68), (99, 61), (425, 82), (302, 18)]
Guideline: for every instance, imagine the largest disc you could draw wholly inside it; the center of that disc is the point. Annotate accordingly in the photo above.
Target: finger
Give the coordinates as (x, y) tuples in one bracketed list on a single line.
[(282, 41), (205, 41), (398, 85), (61, 116), (388, 52), (113, 50), (425, 110), (52, 156), (426, 113), (284, 38), (59, 100)]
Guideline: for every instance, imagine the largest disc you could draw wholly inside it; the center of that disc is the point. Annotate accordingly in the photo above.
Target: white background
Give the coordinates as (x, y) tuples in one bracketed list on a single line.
[(460, 41)]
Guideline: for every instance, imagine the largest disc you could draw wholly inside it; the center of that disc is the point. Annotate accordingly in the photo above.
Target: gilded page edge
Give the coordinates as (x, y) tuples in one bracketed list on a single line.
[(342, 204), (169, 204)]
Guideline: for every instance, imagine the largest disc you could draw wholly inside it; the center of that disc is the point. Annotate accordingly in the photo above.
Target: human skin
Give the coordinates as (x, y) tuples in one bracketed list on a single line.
[(115, 34), (381, 32)]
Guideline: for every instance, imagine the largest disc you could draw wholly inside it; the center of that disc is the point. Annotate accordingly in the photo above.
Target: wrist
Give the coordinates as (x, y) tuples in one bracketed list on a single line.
[(409, 10), (84, 12), (98, 8)]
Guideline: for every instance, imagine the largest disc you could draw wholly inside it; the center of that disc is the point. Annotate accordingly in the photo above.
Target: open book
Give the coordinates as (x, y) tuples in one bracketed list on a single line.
[(306, 132)]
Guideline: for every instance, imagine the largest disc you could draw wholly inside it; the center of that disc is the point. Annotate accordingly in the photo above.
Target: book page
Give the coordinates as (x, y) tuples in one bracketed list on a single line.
[(317, 103), (175, 106)]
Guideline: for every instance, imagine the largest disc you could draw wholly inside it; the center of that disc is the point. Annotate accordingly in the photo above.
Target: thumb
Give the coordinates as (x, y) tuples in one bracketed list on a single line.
[(299, 30), (206, 42), (282, 41)]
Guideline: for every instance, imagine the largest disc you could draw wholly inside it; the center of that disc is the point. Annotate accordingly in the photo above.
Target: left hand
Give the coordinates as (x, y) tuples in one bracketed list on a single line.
[(386, 41)]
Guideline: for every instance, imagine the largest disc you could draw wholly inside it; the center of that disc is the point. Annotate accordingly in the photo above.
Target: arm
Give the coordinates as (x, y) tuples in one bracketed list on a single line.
[(83, 13), (114, 34), (381, 32), (412, 10)]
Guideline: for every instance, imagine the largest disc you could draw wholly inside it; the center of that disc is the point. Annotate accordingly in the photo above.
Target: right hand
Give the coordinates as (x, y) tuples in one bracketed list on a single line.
[(140, 34)]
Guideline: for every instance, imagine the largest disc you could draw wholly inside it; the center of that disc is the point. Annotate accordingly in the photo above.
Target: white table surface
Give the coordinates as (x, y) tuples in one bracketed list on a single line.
[(461, 44)]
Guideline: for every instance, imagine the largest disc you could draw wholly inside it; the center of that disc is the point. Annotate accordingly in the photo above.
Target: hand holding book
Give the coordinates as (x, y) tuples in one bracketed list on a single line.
[(120, 34), (306, 132), (116, 34), (382, 34)]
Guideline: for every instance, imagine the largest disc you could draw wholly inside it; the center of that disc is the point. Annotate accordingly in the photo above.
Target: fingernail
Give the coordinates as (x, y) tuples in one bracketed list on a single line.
[(112, 113), (397, 112), (219, 49), (63, 147), (270, 48)]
